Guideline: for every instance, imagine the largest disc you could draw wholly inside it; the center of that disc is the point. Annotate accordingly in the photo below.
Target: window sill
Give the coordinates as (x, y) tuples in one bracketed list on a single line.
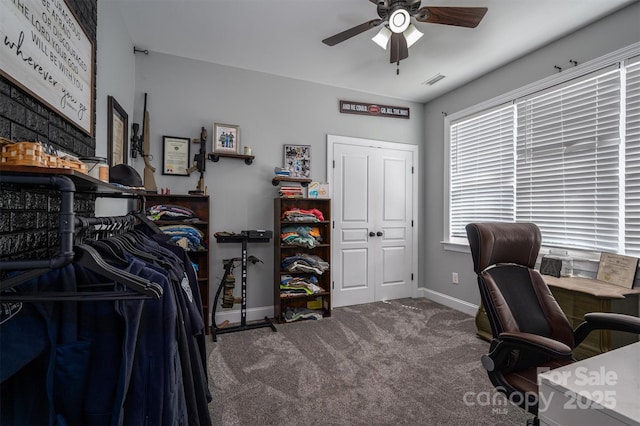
[(456, 246), (584, 263)]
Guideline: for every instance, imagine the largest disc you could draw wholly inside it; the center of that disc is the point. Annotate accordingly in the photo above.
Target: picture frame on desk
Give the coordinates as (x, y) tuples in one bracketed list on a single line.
[(226, 138), (175, 155), (617, 269)]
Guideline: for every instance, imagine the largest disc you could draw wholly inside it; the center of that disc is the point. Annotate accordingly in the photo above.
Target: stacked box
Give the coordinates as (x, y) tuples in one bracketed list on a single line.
[(68, 163), (23, 154), (32, 154)]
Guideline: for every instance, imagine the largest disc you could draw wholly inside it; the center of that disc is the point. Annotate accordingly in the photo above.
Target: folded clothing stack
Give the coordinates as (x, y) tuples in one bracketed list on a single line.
[(186, 236), (302, 215), (290, 285), (295, 314), (170, 212), (303, 236), (303, 262)]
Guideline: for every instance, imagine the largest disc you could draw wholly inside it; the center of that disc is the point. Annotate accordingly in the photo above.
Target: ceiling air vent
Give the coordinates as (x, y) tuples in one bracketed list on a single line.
[(433, 80)]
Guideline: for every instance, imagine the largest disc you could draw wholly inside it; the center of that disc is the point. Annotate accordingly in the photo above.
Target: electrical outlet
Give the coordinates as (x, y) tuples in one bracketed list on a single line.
[(454, 278)]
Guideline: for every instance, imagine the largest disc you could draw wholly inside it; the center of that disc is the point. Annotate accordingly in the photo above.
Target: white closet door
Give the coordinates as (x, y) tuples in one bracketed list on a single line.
[(373, 245)]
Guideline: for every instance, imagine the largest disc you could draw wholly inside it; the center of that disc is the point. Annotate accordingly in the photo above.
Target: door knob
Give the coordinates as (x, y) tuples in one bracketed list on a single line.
[(379, 234), (372, 234)]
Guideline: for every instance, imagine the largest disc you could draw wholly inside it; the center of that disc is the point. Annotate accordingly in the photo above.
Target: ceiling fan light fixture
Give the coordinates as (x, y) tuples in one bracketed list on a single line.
[(382, 38), (412, 34), (399, 20)]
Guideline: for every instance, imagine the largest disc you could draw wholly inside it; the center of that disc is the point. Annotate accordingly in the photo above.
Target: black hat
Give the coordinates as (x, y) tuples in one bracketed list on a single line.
[(124, 174)]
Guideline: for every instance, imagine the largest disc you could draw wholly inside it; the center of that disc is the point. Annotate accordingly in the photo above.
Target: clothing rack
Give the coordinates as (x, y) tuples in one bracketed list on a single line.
[(80, 344), (105, 226), (71, 228)]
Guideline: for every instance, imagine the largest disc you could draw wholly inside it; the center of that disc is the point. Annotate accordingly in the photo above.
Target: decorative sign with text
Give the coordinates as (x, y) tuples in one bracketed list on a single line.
[(44, 50), (350, 107)]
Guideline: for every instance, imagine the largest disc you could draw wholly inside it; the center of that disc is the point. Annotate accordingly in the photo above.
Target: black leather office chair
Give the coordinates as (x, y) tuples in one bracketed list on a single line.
[(530, 330)]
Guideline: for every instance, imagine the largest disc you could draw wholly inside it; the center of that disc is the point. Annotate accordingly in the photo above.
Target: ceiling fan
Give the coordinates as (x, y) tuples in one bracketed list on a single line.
[(400, 31)]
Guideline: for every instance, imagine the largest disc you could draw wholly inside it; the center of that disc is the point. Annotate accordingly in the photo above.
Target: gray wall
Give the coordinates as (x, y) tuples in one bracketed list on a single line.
[(115, 77), (607, 35), (115, 69), (184, 95)]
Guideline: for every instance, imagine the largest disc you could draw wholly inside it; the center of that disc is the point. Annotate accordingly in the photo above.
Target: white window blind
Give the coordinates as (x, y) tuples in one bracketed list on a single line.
[(632, 170), (567, 167), (482, 169)]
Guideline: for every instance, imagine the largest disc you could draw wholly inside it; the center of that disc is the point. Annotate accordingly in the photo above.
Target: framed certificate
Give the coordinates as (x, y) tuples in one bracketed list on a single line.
[(175, 156), (617, 269)]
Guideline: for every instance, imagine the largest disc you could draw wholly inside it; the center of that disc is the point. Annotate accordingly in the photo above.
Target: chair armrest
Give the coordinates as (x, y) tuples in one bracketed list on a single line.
[(537, 343), (508, 341), (606, 321)]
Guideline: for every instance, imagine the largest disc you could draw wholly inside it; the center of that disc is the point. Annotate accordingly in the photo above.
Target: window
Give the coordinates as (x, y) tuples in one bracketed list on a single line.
[(482, 165), (565, 156), (567, 150), (632, 155)]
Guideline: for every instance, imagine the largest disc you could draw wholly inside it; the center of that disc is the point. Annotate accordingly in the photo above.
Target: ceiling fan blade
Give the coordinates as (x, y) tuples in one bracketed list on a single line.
[(399, 49), (468, 17), (345, 35)]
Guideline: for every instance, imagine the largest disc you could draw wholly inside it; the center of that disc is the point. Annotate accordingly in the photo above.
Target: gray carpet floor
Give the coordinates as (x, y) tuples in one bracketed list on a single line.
[(402, 362)]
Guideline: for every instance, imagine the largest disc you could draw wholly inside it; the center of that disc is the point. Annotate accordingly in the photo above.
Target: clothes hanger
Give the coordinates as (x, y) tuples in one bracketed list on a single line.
[(145, 222), (87, 257), (108, 252), (128, 243)]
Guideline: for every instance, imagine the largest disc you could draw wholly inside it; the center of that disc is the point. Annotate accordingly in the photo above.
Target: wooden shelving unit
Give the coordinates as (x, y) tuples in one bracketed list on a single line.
[(200, 206), (281, 251)]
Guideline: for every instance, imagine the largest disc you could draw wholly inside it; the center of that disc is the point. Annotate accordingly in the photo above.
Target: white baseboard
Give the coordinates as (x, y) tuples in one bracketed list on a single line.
[(446, 300), (234, 315)]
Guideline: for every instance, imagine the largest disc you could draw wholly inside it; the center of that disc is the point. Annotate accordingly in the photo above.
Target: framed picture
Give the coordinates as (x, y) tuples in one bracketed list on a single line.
[(175, 156), (117, 133), (297, 159), (226, 138)]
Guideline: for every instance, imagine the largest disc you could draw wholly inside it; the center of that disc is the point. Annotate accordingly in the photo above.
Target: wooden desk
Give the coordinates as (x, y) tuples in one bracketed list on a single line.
[(602, 390), (578, 296)]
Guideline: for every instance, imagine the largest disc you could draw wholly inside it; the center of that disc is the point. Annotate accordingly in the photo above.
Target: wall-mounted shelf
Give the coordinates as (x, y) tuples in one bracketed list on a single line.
[(278, 179), (215, 157), (82, 181)]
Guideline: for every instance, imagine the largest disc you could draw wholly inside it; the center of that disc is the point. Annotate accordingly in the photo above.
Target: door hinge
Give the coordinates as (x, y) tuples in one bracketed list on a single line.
[(333, 225), (334, 164), (411, 169), (333, 285), (412, 223), (412, 276)]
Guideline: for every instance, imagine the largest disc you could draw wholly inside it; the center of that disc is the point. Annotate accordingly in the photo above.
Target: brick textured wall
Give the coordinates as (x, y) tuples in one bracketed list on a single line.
[(29, 216), (29, 220), (24, 118)]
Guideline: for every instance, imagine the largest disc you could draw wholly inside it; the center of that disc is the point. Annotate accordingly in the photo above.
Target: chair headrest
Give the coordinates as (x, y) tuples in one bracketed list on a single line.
[(496, 242)]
